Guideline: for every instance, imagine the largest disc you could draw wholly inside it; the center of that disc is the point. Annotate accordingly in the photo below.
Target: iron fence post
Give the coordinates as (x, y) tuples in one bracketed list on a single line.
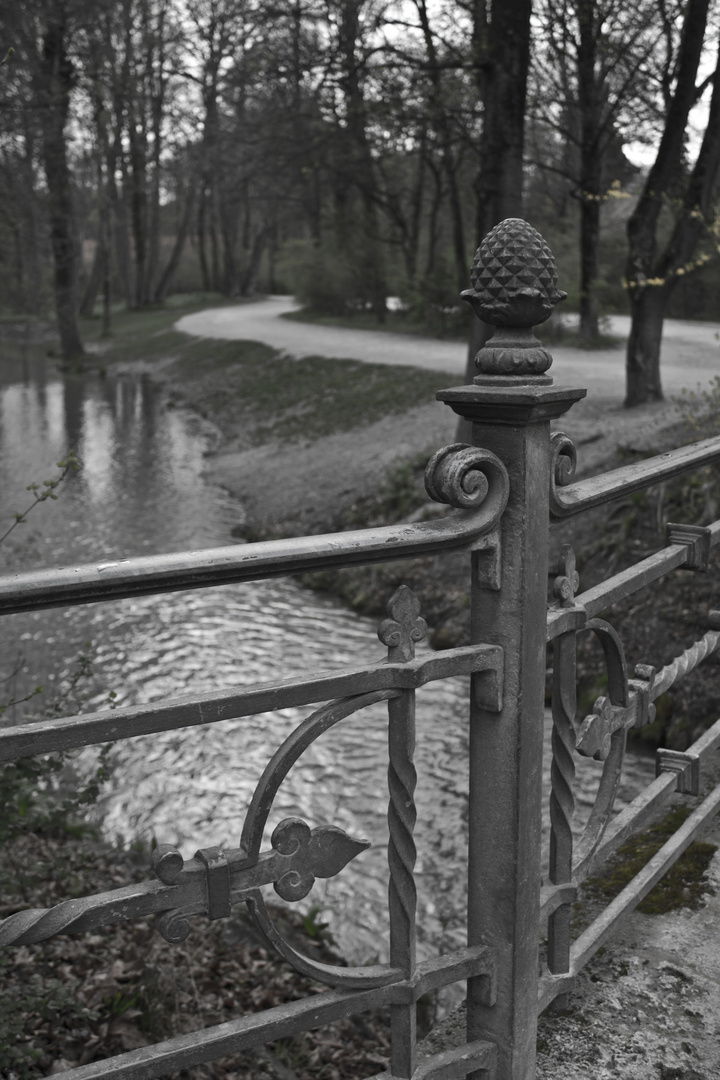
[(510, 406)]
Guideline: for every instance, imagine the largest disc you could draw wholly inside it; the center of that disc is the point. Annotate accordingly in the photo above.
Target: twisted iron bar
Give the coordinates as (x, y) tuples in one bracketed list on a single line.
[(88, 912), (562, 799), (685, 663), (402, 815), (403, 627), (36, 924)]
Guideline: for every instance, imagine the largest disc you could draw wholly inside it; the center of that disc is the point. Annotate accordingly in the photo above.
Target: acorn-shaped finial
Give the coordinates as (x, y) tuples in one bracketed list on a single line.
[(513, 277)]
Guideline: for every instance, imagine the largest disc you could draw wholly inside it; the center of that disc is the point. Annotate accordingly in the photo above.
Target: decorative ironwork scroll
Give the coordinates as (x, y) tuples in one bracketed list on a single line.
[(562, 770), (603, 735)]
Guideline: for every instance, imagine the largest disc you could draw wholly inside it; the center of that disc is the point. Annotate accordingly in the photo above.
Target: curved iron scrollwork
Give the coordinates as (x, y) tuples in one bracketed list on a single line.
[(562, 469), (277, 769), (299, 855), (602, 735), (468, 477)]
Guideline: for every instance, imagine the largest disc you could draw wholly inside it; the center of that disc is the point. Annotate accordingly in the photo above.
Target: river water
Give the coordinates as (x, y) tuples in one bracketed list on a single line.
[(142, 490)]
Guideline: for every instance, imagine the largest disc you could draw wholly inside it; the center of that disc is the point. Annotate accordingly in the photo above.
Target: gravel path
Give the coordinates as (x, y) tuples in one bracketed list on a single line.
[(691, 351)]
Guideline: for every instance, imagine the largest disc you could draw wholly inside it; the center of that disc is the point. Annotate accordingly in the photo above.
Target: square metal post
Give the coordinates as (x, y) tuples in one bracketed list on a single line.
[(510, 405)]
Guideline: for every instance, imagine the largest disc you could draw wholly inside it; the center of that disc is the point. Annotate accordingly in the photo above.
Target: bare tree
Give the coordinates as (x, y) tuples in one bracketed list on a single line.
[(42, 31), (591, 87), (671, 189)]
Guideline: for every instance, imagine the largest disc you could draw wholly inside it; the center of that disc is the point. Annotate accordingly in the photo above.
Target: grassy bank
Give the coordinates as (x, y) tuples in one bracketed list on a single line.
[(253, 393)]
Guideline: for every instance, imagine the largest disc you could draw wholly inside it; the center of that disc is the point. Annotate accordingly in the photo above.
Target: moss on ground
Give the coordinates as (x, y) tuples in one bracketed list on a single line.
[(684, 885)]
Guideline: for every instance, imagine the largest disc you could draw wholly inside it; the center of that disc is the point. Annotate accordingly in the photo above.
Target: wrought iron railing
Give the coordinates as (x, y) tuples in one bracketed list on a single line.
[(505, 489)]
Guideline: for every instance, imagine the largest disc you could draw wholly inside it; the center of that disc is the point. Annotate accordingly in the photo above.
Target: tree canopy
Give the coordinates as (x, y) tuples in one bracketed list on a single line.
[(352, 149)]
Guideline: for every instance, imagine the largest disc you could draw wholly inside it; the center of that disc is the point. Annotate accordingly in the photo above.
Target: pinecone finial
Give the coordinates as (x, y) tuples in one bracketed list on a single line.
[(514, 287)]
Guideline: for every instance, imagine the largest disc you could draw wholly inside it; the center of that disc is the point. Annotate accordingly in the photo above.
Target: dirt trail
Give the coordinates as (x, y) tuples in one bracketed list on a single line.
[(690, 353)]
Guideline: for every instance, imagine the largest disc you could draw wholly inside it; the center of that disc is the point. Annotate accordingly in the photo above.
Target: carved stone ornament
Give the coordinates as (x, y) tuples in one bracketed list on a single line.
[(514, 287)]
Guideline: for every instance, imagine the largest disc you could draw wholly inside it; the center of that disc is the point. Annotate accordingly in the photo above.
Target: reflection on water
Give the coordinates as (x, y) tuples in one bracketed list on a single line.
[(142, 491)]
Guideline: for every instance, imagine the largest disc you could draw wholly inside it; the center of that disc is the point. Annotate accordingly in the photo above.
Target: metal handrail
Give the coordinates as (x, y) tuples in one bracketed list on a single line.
[(596, 490), (116, 580), (467, 477)]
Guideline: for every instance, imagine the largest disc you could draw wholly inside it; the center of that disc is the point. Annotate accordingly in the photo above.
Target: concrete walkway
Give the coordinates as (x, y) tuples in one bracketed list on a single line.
[(690, 355)]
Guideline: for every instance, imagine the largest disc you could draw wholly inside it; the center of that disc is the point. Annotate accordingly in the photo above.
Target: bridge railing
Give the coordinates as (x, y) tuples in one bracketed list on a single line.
[(505, 488)]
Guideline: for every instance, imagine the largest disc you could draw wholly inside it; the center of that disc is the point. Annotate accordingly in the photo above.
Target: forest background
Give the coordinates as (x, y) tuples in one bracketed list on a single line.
[(352, 150)]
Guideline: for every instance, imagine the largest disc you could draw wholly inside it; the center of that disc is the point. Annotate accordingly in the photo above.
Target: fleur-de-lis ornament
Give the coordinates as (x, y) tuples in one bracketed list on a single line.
[(404, 625), (567, 582)]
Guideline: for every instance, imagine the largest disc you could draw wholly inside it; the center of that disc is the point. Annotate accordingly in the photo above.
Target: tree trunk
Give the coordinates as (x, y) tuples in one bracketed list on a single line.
[(214, 245), (122, 236), (35, 256), (441, 123), (589, 248), (56, 77), (412, 246), (590, 164), (202, 254), (175, 255), (648, 302), (228, 224), (87, 305), (647, 308), (252, 270), (358, 170), (138, 208), (501, 59), (120, 239)]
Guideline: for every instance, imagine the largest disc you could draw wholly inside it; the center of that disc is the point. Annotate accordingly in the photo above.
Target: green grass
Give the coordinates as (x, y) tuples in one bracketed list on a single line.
[(241, 384), (130, 330), (256, 393)]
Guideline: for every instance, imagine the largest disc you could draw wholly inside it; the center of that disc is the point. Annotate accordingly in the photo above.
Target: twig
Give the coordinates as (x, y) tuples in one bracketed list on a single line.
[(45, 491)]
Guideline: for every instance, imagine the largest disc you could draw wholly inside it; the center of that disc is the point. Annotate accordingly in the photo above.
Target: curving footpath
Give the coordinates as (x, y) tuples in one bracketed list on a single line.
[(690, 354)]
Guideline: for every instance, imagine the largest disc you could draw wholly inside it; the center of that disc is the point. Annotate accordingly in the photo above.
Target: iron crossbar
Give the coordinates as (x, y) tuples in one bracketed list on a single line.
[(86, 729), (618, 587), (282, 1021)]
